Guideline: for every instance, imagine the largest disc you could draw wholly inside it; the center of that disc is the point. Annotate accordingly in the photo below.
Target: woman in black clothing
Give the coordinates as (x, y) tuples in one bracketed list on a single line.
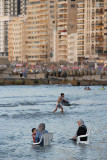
[(82, 130)]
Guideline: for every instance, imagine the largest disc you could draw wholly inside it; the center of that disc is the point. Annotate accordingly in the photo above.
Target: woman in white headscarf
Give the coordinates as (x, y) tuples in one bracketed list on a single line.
[(40, 131)]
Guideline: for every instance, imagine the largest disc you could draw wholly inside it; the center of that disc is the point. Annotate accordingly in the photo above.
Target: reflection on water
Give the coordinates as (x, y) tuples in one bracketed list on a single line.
[(24, 107)]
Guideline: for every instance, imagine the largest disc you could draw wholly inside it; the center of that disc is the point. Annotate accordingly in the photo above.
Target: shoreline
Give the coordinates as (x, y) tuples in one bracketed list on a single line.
[(51, 81)]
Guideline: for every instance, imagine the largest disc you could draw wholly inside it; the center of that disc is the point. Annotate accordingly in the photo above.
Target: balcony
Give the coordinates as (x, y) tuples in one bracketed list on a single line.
[(62, 48), (63, 44), (80, 55), (99, 24), (62, 23), (81, 6), (62, 1), (62, 6), (99, 11), (80, 17), (63, 12), (80, 44), (80, 49), (61, 28), (62, 17)]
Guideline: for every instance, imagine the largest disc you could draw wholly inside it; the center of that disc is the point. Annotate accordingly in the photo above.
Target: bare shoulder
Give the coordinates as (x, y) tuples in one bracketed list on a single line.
[(60, 98)]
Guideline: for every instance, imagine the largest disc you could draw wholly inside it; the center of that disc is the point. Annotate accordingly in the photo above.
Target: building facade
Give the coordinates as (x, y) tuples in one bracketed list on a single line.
[(18, 7), (9, 8), (105, 27), (4, 19), (72, 48), (40, 24), (66, 22), (91, 30), (16, 42)]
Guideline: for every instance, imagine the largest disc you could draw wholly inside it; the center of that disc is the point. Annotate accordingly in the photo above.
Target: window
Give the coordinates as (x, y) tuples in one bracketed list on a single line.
[(73, 5)]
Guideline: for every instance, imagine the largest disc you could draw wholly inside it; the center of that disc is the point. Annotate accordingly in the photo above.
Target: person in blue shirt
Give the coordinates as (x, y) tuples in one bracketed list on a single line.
[(40, 131)]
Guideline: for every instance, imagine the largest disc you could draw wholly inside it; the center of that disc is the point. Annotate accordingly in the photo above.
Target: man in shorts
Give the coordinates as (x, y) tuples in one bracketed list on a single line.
[(58, 103)]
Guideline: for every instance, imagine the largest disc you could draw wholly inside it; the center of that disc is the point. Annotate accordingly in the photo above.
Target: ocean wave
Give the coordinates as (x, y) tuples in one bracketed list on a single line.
[(4, 115), (31, 115)]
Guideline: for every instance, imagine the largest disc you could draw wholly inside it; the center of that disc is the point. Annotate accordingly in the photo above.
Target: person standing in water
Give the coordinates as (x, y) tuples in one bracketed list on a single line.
[(58, 103)]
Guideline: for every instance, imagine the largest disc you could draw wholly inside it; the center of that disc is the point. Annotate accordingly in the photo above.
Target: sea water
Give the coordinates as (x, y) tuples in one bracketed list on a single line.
[(24, 107)]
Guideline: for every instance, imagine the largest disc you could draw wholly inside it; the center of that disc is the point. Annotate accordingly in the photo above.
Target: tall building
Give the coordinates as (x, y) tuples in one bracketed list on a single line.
[(18, 7), (49, 23), (39, 35), (4, 18), (105, 27), (9, 8), (72, 48), (16, 42), (91, 30), (66, 25)]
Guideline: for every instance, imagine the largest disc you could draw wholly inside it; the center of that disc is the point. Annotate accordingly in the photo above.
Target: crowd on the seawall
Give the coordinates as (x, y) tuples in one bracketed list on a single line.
[(23, 69)]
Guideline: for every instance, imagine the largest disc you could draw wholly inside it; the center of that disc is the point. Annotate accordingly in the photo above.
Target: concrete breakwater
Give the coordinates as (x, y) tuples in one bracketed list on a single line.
[(77, 73), (49, 81)]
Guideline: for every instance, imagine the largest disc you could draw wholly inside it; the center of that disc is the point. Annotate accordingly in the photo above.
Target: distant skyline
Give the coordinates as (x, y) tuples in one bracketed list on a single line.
[(54, 30)]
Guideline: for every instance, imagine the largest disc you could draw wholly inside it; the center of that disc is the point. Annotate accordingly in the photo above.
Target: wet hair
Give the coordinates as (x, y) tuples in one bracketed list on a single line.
[(62, 94), (33, 129)]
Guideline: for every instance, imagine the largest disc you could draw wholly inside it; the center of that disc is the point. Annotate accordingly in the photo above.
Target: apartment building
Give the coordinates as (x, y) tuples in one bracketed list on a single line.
[(72, 48), (16, 42), (105, 27), (4, 18), (39, 33), (18, 7), (90, 30), (66, 25), (9, 8)]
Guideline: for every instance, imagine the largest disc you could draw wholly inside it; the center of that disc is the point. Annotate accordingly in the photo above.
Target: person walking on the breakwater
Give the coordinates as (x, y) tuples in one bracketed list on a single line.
[(58, 103)]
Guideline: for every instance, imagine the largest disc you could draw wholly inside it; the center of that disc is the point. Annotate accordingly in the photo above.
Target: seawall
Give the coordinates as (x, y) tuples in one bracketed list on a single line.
[(49, 81)]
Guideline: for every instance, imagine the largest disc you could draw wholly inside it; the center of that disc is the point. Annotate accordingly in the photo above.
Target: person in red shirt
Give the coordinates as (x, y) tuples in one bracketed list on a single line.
[(34, 134)]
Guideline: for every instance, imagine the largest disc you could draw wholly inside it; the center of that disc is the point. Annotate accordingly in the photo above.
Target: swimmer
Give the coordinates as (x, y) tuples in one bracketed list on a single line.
[(33, 134), (103, 87), (58, 103), (88, 88), (85, 88)]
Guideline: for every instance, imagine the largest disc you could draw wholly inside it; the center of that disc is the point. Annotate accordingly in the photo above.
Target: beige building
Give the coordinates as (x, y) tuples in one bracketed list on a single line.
[(105, 28), (49, 23), (16, 39), (8, 8), (72, 48), (59, 30), (17, 7), (4, 19), (66, 24), (90, 30), (40, 23)]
